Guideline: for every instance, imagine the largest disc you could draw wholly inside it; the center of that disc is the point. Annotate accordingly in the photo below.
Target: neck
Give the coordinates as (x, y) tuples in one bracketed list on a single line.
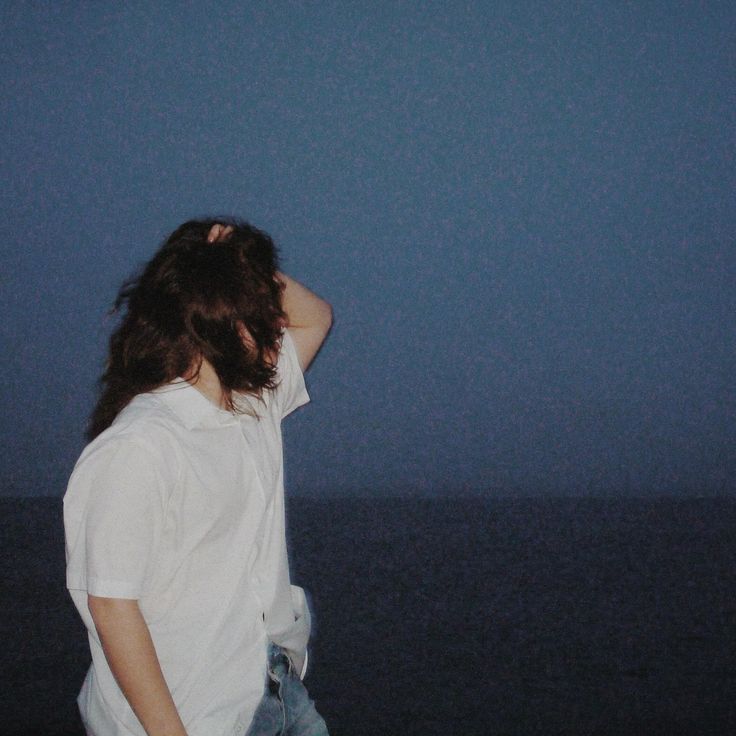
[(208, 384)]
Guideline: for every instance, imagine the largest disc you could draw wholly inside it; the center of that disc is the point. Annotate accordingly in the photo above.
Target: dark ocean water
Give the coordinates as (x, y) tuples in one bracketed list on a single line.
[(452, 616)]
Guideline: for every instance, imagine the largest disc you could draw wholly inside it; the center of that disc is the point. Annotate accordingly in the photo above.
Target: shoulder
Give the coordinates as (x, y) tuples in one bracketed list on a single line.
[(288, 360), (145, 431), (291, 391)]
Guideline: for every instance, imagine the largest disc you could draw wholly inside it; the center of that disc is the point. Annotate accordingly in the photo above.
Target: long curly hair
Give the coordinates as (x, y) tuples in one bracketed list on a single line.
[(196, 300)]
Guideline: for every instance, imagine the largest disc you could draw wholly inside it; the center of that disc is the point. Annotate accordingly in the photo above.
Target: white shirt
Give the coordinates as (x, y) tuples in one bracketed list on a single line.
[(180, 505)]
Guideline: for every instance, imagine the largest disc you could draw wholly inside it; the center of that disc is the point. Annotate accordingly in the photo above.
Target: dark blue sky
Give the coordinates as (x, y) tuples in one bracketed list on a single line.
[(522, 213)]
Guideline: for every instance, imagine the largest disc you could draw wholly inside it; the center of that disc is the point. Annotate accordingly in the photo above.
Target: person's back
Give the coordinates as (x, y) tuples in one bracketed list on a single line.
[(174, 514)]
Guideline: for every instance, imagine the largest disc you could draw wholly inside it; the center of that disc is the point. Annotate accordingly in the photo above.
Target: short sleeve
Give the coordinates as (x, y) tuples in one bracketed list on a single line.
[(291, 393), (114, 510)]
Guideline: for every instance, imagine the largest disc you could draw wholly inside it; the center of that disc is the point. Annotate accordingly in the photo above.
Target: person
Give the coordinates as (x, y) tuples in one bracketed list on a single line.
[(174, 513)]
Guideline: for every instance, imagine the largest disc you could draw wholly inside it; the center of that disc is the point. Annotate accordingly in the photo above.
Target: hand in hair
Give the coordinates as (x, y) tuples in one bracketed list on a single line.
[(219, 232)]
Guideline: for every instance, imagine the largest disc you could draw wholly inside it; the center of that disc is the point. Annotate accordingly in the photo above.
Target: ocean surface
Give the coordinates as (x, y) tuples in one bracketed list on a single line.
[(456, 616)]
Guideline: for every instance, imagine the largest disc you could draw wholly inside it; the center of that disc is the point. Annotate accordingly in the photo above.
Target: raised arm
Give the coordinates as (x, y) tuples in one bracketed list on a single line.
[(309, 318), (132, 657)]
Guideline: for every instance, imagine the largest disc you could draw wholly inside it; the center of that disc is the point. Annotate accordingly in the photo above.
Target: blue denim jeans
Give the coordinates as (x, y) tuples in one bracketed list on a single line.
[(285, 709)]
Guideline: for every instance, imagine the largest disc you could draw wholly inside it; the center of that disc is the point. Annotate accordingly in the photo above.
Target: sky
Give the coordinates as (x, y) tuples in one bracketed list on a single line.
[(522, 214)]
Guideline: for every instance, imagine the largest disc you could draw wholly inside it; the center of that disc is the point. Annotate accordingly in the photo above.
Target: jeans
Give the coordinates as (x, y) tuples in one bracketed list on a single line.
[(285, 709)]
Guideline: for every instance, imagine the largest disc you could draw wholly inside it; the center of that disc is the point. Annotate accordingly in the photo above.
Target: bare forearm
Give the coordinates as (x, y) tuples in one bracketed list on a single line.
[(308, 317), (132, 657), (303, 307)]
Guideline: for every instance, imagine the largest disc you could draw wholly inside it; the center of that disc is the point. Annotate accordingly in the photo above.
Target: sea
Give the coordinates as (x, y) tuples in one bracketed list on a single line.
[(459, 616)]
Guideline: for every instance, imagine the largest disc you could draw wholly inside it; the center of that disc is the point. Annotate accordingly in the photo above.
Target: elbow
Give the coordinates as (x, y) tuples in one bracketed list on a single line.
[(327, 316), (325, 319)]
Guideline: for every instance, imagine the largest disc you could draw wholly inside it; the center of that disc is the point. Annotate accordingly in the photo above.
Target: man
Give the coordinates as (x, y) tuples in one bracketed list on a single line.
[(174, 514)]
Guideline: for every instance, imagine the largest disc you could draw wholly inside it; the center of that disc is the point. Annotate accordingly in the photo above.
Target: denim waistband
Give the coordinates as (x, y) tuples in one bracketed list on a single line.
[(279, 666)]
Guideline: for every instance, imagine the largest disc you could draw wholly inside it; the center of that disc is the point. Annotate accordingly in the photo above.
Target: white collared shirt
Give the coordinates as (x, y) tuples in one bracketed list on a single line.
[(180, 505)]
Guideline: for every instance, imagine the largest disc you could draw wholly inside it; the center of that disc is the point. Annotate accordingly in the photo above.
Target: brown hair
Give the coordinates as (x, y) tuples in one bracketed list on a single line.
[(192, 301)]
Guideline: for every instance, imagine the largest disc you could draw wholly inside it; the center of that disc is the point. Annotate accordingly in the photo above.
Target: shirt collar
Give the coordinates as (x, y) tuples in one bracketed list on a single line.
[(193, 408)]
